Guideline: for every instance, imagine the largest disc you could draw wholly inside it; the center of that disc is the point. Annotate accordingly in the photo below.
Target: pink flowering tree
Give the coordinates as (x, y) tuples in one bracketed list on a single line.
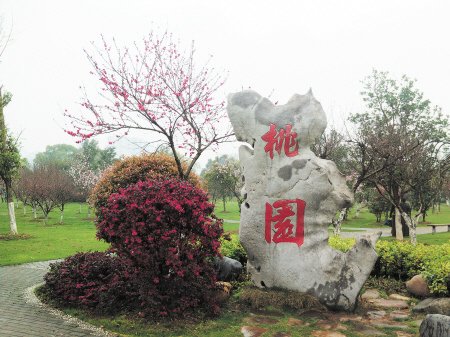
[(84, 177), (155, 87)]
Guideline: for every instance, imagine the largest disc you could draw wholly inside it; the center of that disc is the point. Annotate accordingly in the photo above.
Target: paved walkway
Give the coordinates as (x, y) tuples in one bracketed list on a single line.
[(21, 319)]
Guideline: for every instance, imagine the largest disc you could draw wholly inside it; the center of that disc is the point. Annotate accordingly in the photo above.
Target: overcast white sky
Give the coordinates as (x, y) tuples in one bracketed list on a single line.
[(278, 47)]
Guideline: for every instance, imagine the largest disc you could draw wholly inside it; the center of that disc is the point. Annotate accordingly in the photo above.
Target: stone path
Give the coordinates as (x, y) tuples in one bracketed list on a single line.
[(376, 317), (19, 317)]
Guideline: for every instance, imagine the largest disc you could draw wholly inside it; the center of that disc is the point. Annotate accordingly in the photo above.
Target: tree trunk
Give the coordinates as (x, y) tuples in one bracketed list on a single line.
[(412, 224), (11, 211), (358, 210), (89, 211), (337, 224), (398, 225), (12, 218), (61, 217), (224, 202), (34, 213)]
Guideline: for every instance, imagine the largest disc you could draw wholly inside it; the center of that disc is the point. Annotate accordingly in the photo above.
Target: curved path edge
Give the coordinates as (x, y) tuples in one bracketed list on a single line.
[(23, 315), (31, 298)]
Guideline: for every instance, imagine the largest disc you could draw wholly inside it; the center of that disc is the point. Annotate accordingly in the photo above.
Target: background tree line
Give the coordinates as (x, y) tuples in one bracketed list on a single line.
[(60, 174)]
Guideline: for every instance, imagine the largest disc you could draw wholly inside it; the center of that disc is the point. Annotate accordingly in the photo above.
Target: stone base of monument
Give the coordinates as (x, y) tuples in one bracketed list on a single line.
[(291, 196), (337, 277)]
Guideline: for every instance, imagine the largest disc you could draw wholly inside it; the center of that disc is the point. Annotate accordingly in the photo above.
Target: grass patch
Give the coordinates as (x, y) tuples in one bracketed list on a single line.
[(428, 239), (386, 285), (231, 213), (10, 237), (48, 242), (231, 227)]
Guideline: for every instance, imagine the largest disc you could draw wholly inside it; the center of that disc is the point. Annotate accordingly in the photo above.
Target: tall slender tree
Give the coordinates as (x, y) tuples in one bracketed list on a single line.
[(10, 161)]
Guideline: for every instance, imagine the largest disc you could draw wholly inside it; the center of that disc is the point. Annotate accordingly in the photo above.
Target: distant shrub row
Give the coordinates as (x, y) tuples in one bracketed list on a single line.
[(401, 260)]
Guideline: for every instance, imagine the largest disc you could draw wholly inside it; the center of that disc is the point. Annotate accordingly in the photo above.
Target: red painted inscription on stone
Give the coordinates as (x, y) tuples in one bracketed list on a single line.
[(284, 139), (280, 226)]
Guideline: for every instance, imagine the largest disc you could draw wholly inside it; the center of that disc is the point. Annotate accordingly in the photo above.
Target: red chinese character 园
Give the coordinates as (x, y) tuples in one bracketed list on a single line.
[(286, 139), (284, 229)]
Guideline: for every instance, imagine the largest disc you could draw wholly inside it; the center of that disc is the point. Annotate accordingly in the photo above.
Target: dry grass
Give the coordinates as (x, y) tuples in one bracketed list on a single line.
[(283, 299)]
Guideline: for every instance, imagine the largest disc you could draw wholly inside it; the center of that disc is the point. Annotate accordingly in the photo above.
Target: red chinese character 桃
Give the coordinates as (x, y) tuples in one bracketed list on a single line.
[(283, 139), (284, 230)]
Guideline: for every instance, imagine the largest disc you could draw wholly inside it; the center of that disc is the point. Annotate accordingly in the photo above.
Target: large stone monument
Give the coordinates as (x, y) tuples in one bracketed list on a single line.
[(291, 196)]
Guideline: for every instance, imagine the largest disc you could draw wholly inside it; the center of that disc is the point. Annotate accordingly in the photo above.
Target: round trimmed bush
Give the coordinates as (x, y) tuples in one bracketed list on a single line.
[(98, 281), (130, 170), (167, 229)]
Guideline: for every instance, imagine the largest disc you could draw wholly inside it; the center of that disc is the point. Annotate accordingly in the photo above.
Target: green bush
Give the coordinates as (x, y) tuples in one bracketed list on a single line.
[(232, 248), (342, 244), (401, 260)]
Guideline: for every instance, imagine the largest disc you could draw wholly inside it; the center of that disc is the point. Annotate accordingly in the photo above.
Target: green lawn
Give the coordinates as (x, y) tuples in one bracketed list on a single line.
[(231, 213), (231, 227), (47, 242), (430, 239)]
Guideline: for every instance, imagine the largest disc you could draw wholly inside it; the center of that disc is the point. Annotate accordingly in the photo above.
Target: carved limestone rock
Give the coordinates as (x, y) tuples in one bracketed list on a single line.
[(290, 198)]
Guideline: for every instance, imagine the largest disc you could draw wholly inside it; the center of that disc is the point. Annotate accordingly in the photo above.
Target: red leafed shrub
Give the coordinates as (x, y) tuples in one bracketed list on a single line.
[(95, 280), (168, 231)]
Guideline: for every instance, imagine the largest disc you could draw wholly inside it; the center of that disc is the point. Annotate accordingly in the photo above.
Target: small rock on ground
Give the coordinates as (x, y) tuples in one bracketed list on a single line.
[(399, 315), (295, 322), (435, 326), (370, 294), (388, 324), (365, 330), (418, 286), (434, 306), (329, 325), (252, 331), (399, 297), (349, 318), (376, 314), (324, 333), (403, 334), (389, 304)]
